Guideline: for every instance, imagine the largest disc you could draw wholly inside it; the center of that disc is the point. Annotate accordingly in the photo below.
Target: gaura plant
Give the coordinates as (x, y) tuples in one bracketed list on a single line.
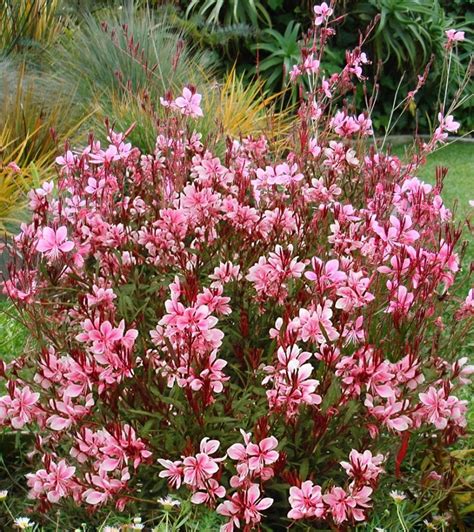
[(264, 334)]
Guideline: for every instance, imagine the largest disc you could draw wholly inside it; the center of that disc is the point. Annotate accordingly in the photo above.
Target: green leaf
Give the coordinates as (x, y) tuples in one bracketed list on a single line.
[(275, 4), (220, 419), (304, 468)]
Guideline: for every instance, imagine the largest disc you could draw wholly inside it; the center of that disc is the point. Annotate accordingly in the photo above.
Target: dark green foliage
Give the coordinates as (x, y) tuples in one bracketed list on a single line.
[(409, 34), (282, 53), (229, 12)]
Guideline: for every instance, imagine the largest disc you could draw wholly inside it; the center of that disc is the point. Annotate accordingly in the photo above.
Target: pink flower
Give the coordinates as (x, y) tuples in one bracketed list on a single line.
[(54, 482), (189, 103), (104, 487), (102, 335), (340, 504), (316, 325), (439, 408), (401, 301), (110, 155), (454, 36), (344, 125), (310, 64), (361, 497), (344, 505), (13, 166), (306, 502), (230, 508), (354, 331), (326, 86), (196, 319), (364, 466), (389, 414), (200, 468), (225, 273), (295, 72), (325, 274), (292, 386), (398, 232), (263, 453), (282, 174), (54, 242), (19, 408), (355, 294), (467, 308), (173, 472), (121, 447), (212, 376), (314, 148), (322, 12), (67, 161), (316, 111), (448, 123), (254, 505), (213, 491), (434, 410), (237, 452)]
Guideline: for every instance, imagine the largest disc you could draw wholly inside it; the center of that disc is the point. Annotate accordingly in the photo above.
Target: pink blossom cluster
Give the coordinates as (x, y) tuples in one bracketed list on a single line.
[(308, 502), (187, 104), (216, 284)]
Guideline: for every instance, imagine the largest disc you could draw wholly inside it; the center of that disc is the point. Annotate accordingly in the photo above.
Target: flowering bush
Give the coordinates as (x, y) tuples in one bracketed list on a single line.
[(261, 330)]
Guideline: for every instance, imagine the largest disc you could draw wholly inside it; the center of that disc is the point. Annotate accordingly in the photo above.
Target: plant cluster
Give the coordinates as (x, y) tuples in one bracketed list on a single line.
[(263, 331)]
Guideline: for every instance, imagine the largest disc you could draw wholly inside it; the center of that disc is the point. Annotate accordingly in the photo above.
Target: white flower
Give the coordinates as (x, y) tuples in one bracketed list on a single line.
[(397, 496), (23, 523), (3, 495), (168, 502), (137, 524), (111, 529)]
